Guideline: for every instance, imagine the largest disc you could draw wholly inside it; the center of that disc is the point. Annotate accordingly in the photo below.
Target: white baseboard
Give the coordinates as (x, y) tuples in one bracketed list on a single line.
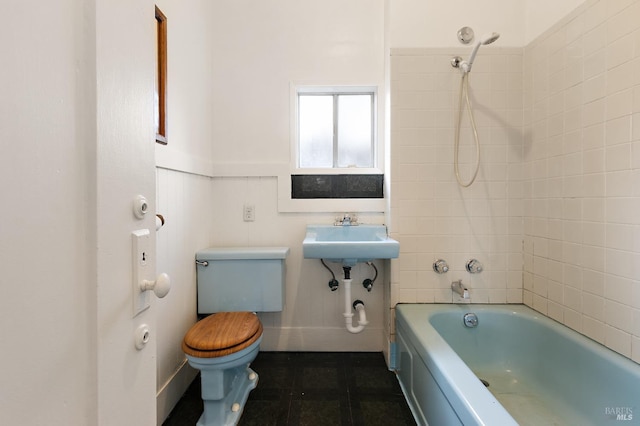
[(172, 390), (322, 339)]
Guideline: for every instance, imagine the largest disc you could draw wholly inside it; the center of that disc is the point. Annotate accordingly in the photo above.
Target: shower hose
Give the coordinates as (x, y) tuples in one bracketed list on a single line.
[(464, 90)]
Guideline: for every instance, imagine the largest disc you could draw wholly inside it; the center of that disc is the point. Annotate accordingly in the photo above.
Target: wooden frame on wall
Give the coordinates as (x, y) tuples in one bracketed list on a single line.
[(161, 78)]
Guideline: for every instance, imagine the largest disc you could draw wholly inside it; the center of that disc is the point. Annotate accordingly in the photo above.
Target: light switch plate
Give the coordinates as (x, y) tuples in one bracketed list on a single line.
[(141, 241)]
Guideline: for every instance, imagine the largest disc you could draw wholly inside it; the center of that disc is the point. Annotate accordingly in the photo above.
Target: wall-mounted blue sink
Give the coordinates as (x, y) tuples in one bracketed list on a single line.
[(349, 244)]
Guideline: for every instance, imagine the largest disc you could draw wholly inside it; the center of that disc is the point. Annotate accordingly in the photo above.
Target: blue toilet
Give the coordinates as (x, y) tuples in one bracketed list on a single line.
[(233, 284)]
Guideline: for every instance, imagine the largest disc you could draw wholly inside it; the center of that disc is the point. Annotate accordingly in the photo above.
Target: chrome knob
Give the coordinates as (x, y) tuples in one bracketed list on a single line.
[(466, 35), (440, 266), (474, 266)]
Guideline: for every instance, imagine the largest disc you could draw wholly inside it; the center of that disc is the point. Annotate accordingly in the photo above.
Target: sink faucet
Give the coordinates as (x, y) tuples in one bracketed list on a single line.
[(459, 288), (347, 220)]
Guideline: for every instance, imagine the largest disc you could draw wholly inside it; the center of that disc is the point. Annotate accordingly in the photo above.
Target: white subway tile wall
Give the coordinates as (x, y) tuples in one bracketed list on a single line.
[(432, 216), (593, 220), (555, 213)]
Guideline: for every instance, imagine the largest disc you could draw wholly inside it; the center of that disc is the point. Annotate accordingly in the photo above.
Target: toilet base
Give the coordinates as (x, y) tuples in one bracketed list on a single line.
[(227, 411), (225, 385)]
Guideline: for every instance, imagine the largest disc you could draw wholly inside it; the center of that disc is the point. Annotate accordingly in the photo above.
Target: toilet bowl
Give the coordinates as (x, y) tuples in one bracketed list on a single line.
[(222, 346), (233, 283)]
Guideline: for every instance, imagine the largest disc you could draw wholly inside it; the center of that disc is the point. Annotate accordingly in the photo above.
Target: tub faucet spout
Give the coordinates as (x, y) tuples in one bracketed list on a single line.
[(459, 288)]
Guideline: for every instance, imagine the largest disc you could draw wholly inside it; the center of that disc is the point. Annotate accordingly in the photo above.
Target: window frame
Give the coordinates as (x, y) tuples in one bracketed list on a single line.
[(297, 90), (161, 77)]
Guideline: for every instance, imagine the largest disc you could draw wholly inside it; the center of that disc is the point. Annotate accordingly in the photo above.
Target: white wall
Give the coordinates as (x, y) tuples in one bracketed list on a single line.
[(261, 48), (540, 15), (77, 139), (416, 23), (185, 200), (47, 309), (190, 86)]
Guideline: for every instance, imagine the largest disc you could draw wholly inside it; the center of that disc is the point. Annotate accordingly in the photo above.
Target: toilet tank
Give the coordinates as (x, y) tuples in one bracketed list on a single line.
[(241, 279)]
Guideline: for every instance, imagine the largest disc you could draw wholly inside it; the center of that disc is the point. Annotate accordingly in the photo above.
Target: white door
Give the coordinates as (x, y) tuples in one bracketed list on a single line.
[(125, 73), (76, 147)]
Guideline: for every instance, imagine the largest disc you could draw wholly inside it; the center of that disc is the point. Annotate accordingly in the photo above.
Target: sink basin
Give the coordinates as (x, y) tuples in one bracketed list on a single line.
[(349, 244)]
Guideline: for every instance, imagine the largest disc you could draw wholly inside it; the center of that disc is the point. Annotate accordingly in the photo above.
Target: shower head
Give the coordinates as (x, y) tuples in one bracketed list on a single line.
[(465, 66), (489, 38)]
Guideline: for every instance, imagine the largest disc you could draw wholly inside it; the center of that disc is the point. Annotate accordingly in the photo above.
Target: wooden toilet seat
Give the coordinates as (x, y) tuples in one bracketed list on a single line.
[(222, 334)]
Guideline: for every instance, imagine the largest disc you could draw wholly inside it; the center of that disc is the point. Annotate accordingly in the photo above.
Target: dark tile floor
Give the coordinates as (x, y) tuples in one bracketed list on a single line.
[(313, 389)]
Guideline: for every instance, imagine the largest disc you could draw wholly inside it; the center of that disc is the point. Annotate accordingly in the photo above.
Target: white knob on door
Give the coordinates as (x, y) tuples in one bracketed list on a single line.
[(160, 286)]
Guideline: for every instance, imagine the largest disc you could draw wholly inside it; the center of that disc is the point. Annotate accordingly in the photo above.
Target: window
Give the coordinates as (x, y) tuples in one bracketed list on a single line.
[(336, 129), (335, 143)]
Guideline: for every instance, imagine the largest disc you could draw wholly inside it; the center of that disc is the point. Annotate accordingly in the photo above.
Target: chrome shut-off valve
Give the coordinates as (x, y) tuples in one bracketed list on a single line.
[(440, 266), (474, 266)]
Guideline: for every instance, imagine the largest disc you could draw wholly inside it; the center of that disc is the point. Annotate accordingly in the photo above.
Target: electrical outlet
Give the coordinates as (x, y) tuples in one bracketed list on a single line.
[(249, 213)]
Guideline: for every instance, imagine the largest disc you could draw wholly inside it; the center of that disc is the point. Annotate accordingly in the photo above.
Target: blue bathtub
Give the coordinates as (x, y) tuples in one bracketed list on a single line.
[(538, 371)]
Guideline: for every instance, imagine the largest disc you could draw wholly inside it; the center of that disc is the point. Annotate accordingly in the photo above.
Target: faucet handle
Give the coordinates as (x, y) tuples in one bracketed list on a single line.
[(440, 266), (474, 266)]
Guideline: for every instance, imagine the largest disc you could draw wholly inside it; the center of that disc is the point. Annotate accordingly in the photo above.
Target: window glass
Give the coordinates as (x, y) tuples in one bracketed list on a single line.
[(316, 130), (355, 131)]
